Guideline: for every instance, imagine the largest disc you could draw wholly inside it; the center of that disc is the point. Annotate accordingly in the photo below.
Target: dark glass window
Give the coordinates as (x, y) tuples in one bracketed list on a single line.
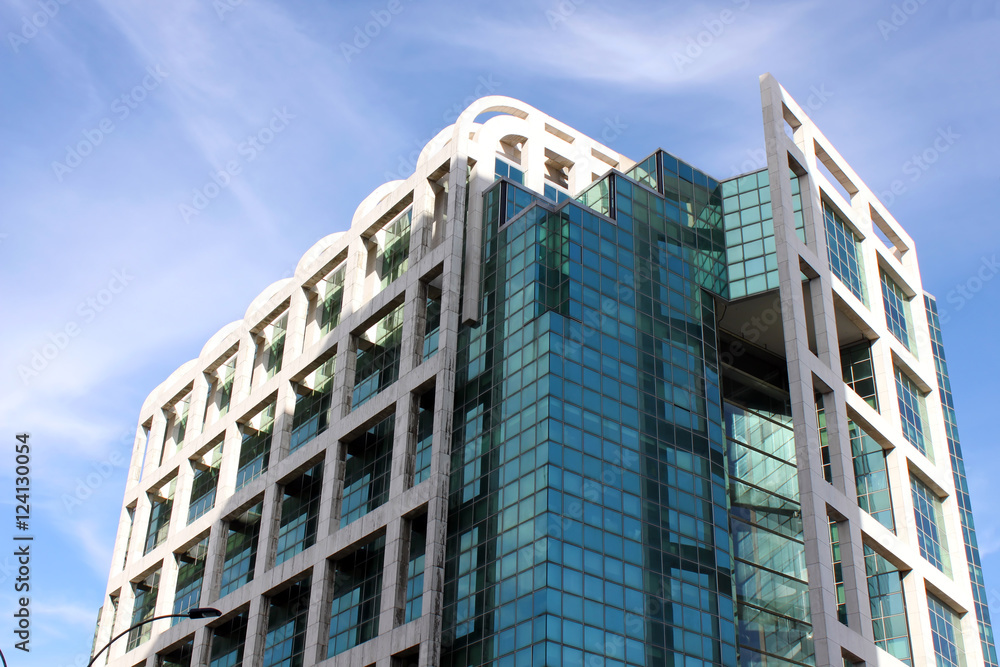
[(242, 536), (287, 613), (366, 470), (299, 513), (357, 595), (255, 449)]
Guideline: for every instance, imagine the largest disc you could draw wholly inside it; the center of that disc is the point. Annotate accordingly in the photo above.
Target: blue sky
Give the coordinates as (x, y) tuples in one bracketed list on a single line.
[(119, 259)]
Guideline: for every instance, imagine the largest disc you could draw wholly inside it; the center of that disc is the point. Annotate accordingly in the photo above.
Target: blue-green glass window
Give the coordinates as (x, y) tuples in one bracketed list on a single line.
[(554, 194), (645, 172), (366, 470), (177, 429), (287, 612), (930, 526), (190, 576), (912, 413), (859, 372), (143, 608), (506, 170), (255, 450), (749, 234), (333, 300), (312, 405), (228, 641), (274, 349), (357, 595), (415, 570), (178, 657), (206, 480), (870, 476), (844, 249), (946, 630), (299, 514), (897, 309), (243, 533), (597, 197), (162, 504), (394, 249), (377, 364), (885, 593), (838, 572), (425, 437), (432, 323)]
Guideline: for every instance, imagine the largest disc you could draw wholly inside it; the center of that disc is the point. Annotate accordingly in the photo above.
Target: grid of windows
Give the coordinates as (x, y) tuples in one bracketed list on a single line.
[(190, 575), (946, 630), (142, 608), (432, 326), (897, 309), (228, 641), (255, 450), (912, 412), (312, 405), (751, 258), (333, 300), (569, 388), (870, 476), (274, 349), (859, 372), (930, 526), (366, 470), (888, 605), (206, 480), (377, 364), (506, 170), (425, 437), (394, 251), (287, 611), (645, 172), (357, 596), (162, 504), (844, 250), (962, 498), (242, 536), (415, 570), (299, 514)]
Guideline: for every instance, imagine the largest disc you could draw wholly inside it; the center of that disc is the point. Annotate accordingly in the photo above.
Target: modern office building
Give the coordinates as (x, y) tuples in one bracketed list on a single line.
[(545, 405)]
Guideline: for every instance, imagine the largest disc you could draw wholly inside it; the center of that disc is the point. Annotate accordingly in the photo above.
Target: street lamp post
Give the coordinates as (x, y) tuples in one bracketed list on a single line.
[(197, 612)]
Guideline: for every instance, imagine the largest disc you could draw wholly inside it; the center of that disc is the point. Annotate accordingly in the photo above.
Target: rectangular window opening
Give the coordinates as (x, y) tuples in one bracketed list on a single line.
[(356, 598), (299, 514), (242, 536), (313, 398), (378, 356), (206, 481), (287, 614), (367, 461), (255, 449)]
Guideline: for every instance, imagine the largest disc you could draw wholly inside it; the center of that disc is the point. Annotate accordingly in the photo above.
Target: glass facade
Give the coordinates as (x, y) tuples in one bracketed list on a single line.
[(356, 598), (751, 258), (143, 607), (897, 309), (888, 605), (312, 405), (377, 364), (332, 294), (425, 437), (255, 450), (394, 249), (946, 630), (178, 657), (366, 470), (190, 576), (243, 533), (588, 513), (824, 441), (800, 223), (274, 346), (206, 481), (844, 250), (413, 607), (962, 497), (930, 526), (161, 506), (228, 641), (432, 324), (912, 413), (299, 514), (871, 476), (285, 641)]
